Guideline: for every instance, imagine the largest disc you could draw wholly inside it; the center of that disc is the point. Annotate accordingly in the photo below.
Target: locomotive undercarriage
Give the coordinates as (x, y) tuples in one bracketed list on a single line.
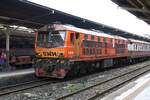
[(86, 67), (60, 68), (52, 67)]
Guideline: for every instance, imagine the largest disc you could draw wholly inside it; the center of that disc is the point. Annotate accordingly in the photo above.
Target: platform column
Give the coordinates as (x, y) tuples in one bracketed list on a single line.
[(7, 48)]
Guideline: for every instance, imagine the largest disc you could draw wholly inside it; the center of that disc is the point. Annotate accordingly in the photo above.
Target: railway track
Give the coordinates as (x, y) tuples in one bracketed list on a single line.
[(108, 85), (24, 86)]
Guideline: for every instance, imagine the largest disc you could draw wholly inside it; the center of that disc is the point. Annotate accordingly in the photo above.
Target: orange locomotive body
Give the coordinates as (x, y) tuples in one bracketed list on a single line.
[(66, 50)]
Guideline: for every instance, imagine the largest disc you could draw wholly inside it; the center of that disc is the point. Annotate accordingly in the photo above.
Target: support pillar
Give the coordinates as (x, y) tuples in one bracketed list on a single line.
[(7, 48)]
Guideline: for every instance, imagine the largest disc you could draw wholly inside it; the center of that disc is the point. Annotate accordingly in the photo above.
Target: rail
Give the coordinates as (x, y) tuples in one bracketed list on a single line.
[(147, 67)]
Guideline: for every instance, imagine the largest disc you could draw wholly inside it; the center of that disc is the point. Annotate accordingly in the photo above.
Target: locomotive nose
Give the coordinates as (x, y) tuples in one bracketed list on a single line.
[(39, 72), (51, 68)]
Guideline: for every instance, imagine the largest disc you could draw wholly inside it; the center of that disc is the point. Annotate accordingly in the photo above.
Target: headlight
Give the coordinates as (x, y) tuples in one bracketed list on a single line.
[(61, 55)]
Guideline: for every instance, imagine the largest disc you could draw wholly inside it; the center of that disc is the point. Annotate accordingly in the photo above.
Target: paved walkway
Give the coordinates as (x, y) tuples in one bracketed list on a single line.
[(136, 90), (17, 73)]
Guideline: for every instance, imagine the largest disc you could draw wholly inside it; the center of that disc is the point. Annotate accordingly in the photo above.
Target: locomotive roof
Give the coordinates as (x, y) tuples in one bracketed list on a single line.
[(80, 30), (119, 37), (98, 33)]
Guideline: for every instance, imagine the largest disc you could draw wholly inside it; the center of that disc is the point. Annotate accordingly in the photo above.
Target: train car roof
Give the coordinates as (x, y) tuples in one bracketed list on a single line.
[(138, 41)]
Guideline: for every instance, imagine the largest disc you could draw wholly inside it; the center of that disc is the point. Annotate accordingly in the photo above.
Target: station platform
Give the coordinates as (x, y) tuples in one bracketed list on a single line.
[(136, 90), (16, 73)]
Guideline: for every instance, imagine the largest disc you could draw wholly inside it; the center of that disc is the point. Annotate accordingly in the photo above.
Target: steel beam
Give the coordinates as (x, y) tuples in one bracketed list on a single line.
[(141, 3), (136, 9), (145, 19), (132, 3)]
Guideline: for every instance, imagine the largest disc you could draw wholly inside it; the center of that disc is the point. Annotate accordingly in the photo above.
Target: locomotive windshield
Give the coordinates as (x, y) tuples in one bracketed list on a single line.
[(51, 39)]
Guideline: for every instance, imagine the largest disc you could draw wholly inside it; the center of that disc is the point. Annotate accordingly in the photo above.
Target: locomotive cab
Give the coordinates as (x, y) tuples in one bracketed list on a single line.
[(50, 44), (54, 47)]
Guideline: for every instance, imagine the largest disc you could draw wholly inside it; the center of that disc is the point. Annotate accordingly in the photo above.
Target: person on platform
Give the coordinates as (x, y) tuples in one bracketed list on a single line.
[(2, 59)]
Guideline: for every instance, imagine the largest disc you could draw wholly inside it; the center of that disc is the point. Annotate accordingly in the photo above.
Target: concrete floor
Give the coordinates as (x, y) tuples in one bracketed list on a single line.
[(136, 90), (17, 73)]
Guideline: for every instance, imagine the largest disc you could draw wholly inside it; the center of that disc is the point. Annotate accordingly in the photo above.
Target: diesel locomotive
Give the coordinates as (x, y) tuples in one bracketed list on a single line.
[(64, 50)]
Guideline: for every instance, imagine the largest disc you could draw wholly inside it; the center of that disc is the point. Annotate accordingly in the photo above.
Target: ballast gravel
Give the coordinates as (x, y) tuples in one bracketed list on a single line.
[(56, 90)]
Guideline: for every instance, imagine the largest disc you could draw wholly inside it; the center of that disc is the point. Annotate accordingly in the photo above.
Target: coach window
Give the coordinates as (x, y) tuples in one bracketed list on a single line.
[(111, 40), (118, 41), (94, 52), (99, 39), (87, 51), (72, 38), (85, 36), (111, 43), (123, 42), (90, 44), (92, 37), (100, 44), (83, 43), (105, 40), (135, 47), (91, 51), (84, 51)]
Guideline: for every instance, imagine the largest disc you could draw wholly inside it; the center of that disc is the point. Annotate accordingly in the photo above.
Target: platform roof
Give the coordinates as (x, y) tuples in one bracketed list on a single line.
[(31, 15), (140, 8), (19, 33)]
